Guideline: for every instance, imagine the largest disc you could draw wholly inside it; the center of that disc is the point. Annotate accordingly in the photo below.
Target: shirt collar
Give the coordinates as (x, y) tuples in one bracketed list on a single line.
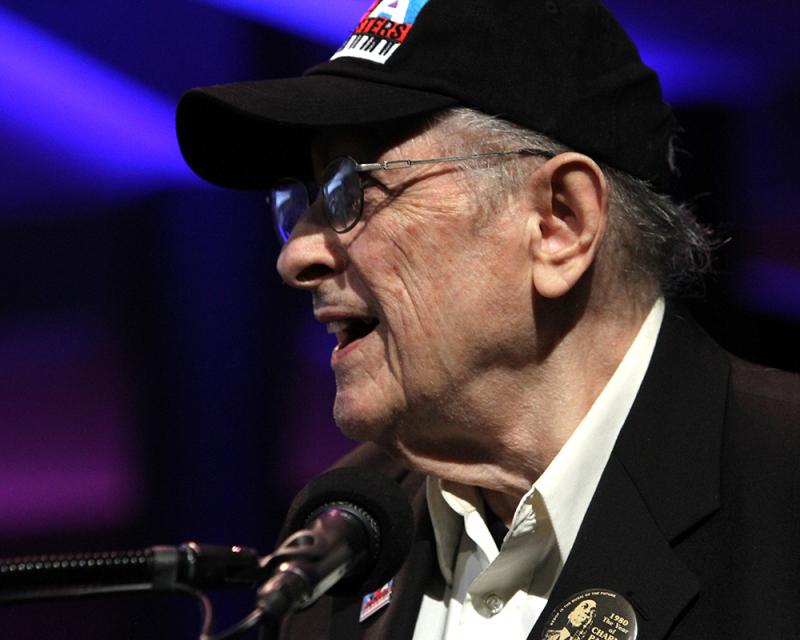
[(567, 485)]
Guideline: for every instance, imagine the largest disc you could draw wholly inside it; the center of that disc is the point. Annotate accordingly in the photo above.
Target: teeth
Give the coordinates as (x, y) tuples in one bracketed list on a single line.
[(336, 326), (350, 329)]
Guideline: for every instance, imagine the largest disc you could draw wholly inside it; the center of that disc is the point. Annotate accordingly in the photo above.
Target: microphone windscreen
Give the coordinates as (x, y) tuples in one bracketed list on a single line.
[(382, 499)]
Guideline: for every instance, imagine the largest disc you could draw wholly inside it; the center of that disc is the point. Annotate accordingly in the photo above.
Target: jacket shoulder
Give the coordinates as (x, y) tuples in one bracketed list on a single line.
[(769, 401), (763, 432), (766, 385)]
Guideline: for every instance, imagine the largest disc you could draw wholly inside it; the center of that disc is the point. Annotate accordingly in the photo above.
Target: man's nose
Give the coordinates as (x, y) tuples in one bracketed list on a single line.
[(313, 253)]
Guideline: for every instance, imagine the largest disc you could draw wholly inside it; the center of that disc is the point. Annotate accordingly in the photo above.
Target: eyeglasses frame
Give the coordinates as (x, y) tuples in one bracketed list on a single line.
[(389, 165)]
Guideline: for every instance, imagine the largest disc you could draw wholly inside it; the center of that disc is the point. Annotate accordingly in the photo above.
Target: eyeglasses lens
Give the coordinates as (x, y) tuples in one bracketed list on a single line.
[(342, 194), (288, 200)]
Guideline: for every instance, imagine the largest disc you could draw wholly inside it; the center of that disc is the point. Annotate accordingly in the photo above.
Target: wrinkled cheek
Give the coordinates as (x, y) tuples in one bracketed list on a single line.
[(420, 367)]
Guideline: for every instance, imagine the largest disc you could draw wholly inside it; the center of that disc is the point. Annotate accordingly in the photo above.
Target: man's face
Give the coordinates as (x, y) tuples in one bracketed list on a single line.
[(447, 283)]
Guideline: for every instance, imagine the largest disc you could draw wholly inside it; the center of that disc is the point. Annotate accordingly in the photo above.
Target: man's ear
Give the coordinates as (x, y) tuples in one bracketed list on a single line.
[(569, 198)]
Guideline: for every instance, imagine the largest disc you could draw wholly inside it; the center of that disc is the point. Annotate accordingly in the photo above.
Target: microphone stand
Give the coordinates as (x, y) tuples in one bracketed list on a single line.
[(185, 569)]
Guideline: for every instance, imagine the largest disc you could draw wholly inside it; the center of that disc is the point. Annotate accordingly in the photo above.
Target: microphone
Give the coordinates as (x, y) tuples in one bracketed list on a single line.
[(353, 529)]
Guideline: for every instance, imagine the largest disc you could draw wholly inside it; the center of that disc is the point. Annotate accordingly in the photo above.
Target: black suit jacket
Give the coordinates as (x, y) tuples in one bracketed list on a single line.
[(696, 519)]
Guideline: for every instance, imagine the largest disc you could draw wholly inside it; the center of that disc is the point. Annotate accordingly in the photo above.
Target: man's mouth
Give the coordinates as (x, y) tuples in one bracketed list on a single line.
[(350, 330)]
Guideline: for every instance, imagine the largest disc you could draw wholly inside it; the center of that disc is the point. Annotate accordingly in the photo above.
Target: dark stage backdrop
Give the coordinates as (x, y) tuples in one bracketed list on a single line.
[(157, 382)]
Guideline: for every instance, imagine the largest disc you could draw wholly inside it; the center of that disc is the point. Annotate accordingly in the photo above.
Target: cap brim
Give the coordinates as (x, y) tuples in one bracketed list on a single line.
[(248, 134)]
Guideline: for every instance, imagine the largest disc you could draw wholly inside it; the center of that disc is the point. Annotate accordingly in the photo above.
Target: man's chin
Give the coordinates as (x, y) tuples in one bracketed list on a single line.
[(359, 420)]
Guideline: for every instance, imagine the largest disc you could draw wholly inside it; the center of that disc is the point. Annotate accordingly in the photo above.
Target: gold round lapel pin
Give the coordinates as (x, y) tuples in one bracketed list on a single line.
[(594, 614)]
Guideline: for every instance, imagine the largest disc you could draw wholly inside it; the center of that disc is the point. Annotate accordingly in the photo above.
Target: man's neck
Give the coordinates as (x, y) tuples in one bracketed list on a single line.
[(530, 413)]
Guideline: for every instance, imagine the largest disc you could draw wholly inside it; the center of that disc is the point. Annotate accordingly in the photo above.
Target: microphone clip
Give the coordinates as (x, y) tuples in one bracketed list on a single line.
[(341, 540)]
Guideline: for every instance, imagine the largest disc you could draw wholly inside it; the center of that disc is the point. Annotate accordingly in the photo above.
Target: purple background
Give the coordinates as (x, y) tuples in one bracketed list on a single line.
[(157, 382)]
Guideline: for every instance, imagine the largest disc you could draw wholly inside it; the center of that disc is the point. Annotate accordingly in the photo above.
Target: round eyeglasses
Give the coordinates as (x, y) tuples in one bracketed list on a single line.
[(342, 190)]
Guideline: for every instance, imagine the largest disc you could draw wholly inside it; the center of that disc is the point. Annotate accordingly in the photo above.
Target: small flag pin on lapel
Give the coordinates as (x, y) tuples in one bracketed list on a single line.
[(375, 601)]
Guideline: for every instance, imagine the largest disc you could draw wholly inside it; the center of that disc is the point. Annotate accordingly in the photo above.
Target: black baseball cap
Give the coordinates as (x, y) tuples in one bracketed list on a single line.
[(564, 68)]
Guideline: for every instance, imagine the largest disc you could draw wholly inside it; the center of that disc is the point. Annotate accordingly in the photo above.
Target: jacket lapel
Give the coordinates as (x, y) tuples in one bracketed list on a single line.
[(620, 548), (661, 480)]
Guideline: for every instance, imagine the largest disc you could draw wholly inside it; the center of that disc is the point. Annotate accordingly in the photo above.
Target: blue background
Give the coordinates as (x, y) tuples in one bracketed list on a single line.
[(157, 382)]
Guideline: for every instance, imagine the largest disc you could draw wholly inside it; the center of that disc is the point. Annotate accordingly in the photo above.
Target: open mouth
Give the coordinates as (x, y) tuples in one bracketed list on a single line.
[(352, 329)]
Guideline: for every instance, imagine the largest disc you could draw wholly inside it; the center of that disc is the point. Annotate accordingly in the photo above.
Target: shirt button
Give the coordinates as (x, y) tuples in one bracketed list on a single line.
[(493, 603)]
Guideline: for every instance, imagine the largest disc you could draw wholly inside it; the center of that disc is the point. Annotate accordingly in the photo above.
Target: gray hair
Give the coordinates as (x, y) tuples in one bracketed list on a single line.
[(652, 241)]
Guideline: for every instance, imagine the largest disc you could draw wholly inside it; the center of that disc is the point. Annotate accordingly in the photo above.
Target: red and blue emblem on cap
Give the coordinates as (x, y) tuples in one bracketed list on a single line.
[(375, 601), (382, 30)]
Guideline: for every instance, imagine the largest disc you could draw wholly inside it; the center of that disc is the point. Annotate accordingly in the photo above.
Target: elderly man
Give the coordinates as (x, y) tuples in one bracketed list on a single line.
[(478, 211)]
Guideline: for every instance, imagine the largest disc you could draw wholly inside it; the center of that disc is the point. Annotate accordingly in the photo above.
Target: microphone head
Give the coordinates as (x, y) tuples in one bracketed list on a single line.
[(382, 499)]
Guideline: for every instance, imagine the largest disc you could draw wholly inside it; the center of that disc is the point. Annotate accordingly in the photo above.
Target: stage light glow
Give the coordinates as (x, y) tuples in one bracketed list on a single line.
[(328, 22), (71, 454), (76, 108), (690, 75)]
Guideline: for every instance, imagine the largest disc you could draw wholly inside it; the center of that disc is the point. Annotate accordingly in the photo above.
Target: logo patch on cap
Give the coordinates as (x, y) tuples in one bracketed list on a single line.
[(382, 30)]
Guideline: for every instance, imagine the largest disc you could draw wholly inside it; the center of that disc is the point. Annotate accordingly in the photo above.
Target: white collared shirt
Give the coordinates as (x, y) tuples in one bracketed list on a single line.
[(503, 591)]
